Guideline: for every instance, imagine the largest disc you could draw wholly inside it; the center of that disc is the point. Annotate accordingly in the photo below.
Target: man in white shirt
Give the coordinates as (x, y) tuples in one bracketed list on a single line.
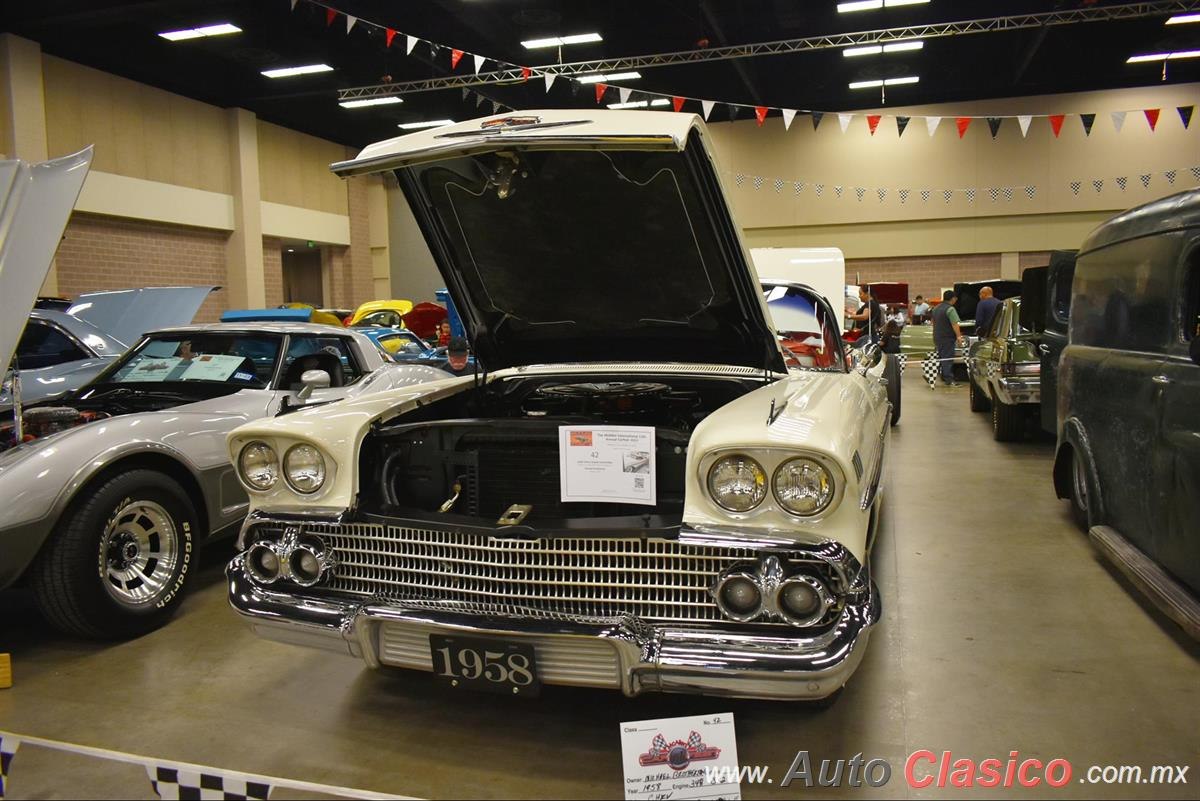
[(920, 311)]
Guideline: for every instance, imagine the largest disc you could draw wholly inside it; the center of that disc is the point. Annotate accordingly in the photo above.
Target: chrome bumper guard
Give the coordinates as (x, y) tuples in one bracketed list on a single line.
[(626, 654), (1019, 390)]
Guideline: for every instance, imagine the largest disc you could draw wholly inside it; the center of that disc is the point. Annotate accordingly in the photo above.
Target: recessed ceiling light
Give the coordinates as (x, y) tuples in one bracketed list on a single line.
[(1180, 19), (660, 101), (874, 5), (558, 41), (875, 84), (408, 126), (614, 76), (1163, 56), (287, 72), (374, 101), (199, 33), (869, 50), (874, 50)]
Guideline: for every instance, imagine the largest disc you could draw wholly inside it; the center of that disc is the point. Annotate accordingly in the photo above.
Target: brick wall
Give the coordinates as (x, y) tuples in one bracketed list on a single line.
[(925, 275), (273, 270), (1035, 258), (99, 253)]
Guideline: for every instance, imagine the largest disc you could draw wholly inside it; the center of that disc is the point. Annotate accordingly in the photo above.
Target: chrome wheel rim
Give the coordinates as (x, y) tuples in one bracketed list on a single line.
[(139, 553), (1080, 478)]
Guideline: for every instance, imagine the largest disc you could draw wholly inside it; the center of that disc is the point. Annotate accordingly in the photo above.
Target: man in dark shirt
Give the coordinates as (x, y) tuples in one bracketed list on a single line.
[(985, 311), (946, 333), (868, 319)]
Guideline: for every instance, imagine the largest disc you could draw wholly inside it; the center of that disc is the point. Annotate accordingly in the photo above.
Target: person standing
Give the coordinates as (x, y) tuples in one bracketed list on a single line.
[(946, 334), (868, 320), (985, 311), (920, 310)]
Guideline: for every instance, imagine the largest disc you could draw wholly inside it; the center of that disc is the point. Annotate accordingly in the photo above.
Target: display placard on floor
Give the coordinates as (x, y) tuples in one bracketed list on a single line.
[(676, 758)]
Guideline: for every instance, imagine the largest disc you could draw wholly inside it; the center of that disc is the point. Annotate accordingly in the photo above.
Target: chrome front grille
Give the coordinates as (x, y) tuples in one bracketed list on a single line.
[(578, 661), (657, 580)]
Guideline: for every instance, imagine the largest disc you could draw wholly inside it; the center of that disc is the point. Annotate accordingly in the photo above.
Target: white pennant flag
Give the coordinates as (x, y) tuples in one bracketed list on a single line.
[(495, 107), (479, 100), (465, 93), (844, 121), (788, 116), (549, 76), (624, 93), (350, 22), (478, 62), (409, 43), (932, 123), (1024, 121), (1118, 118), (707, 105)]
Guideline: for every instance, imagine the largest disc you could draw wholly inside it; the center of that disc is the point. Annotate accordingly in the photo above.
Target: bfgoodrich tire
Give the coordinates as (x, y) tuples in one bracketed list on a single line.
[(120, 558), (1008, 422), (979, 401)]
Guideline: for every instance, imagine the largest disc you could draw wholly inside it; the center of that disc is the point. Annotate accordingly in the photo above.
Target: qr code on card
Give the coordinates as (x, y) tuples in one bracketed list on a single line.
[(639, 482)]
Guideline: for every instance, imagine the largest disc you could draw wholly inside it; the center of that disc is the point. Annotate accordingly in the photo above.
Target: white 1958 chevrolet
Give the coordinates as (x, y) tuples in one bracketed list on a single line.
[(605, 287)]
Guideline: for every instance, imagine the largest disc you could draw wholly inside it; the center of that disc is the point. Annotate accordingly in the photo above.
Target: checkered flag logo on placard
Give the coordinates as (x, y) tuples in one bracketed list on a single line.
[(8, 749), (1008, 194), (970, 195), (925, 195), (929, 368), (947, 195), (1030, 191), (1145, 179), (177, 783), (994, 193), (903, 196), (1076, 186), (694, 740), (740, 178), (882, 194), (861, 192), (778, 184), (758, 182), (1171, 176), (1098, 185), (659, 742), (1122, 181), (799, 186), (991, 370), (902, 361)]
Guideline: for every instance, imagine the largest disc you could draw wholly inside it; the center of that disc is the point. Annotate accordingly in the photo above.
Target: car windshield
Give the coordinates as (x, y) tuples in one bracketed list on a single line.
[(229, 359), (811, 341)]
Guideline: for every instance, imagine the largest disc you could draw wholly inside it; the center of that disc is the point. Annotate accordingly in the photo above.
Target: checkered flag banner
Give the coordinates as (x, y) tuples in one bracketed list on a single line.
[(820, 189), (882, 194), (903, 195), (994, 193), (8, 749), (758, 182), (799, 186), (1122, 181), (1098, 185), (948, 195), (1008, 194), (1170, 174), (902, 361), (925, 195), (1076, 186), (929, 368), (778, 184), (1030, 191), (1195, 173), (837, 190), (740, 178), (970, 195), (861, 192), (177, 783)]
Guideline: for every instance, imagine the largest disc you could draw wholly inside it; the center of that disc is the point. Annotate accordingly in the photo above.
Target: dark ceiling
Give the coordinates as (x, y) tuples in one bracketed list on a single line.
[(119, 36)]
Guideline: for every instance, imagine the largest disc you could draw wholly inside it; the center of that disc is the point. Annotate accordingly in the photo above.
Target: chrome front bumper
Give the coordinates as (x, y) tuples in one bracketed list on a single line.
[(626, 654), (1023, 389)]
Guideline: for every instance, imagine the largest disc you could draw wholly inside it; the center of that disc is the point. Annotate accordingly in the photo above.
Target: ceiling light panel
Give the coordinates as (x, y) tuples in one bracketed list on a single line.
[(221, 29), (288, 72), (615, 76), (373, 101), (1183, 19), (1163, 56), (559, 41), (874, 50), (411, 126)]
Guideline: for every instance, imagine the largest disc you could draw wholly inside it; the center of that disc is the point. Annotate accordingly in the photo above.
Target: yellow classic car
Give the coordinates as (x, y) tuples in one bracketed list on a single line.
[(387, 313)]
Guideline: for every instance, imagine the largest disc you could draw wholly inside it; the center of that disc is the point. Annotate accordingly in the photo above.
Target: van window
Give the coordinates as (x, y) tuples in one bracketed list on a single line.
[(1060, 304), (1191, 297)]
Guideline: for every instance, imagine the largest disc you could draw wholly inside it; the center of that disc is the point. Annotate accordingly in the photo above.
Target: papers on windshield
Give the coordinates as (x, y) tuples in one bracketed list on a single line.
[(205, 367), (613, 464)]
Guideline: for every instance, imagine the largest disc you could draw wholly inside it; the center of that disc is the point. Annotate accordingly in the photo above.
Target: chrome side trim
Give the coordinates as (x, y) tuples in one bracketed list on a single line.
[(876, 471)]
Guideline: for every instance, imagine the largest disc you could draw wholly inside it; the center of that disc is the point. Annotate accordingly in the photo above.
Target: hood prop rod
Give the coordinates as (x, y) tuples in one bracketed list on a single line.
[(18, 415)]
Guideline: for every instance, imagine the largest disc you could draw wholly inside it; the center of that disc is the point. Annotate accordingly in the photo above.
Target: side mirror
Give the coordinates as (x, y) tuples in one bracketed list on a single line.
[(868, 357), (1194, 350), (312, 380)]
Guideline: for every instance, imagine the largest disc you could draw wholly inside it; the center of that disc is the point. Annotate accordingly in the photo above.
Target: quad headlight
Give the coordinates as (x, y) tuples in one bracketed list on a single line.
[(258, 465), (803, 487), (737, 483), (304, 468)]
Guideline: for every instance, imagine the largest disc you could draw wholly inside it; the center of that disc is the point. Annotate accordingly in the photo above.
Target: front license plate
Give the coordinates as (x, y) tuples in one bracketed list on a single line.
[(494, 666)]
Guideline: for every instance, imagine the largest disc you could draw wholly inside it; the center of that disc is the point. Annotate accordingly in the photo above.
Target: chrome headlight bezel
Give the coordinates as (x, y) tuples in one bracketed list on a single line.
[(770, 458), (819, 465), (286, 469), (272, 461), (762, 480)]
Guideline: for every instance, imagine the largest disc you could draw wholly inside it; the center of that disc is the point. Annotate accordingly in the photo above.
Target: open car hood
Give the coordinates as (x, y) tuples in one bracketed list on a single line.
[(126, 314), (35, 202), (572, 236)]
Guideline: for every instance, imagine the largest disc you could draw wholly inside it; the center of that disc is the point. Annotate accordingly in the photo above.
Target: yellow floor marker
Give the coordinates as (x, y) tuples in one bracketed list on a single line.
[(5, 671)]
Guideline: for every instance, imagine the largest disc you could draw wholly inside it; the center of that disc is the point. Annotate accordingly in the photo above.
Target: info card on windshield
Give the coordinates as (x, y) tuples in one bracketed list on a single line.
[(613, 464)]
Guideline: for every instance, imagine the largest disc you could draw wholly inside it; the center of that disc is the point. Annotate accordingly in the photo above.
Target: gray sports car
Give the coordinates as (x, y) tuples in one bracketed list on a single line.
[(109, 491)]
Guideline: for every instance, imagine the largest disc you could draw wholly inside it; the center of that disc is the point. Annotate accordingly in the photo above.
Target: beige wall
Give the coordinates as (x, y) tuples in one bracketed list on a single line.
[(1054, 218), (294, 170)]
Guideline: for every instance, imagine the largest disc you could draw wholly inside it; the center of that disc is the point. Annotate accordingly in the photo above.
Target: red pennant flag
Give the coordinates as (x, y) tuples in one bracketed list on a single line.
[(963, 124), (677, 102), (1056, 123), (330, 16), (455, 57), (600, 90), (390, 36), (873, 122), (525, 73), (1152, 117), (761, 113)]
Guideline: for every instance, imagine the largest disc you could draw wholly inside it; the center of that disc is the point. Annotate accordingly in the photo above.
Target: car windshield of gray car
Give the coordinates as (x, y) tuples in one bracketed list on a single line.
[(240, 361)]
